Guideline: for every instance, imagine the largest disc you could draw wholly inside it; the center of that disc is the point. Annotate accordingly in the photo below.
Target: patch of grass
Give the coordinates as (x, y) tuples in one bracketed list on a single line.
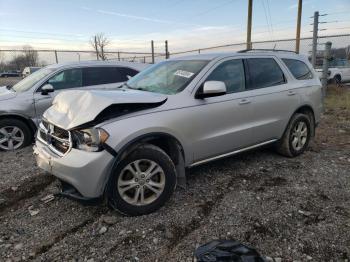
[(338, 98)]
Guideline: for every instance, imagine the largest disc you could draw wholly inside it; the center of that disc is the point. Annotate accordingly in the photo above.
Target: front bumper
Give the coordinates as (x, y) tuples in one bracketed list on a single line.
[(87, 172)]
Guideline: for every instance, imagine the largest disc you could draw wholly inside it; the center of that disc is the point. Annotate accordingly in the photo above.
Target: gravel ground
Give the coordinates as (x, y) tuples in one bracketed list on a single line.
[(294, 209)]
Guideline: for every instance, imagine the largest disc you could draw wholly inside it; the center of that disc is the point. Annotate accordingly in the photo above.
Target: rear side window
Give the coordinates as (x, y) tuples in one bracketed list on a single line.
[(100, 75), (298, 69), (125, 72), (264, 72)]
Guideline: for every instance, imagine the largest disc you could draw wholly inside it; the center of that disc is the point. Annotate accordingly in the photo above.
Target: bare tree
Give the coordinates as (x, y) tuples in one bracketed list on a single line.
[(99, 43), (31, 56)]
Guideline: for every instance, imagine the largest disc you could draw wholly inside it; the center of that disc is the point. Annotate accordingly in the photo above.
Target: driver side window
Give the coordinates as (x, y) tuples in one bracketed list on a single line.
[(69, 78), (231, 73)]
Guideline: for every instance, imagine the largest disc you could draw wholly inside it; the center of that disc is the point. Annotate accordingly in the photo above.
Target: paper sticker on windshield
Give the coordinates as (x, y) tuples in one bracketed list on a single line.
[(183, 73)]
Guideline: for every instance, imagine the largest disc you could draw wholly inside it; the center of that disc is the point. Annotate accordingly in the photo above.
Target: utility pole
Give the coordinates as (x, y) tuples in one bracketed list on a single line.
[(314, 39), (297, 44), (249, 24), (152, 49), (166, 50)]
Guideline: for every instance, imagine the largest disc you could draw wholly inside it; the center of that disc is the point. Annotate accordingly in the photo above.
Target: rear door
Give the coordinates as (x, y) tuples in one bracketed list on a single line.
[(274, 97)]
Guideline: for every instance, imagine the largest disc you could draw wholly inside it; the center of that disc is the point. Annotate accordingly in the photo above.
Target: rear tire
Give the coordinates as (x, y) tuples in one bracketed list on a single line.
[(14, 134), (142, 182), (297, 136)]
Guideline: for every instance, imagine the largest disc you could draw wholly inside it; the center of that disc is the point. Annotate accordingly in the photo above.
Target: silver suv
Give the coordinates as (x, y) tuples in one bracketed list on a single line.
[(132, 146), (22, 105)]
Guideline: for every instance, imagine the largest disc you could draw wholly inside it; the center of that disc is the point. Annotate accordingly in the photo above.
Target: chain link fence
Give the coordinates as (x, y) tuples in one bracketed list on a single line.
[(340, 50), (340, 47)]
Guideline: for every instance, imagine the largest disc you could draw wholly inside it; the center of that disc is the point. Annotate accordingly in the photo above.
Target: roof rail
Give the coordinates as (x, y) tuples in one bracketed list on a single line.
[(267, 50)]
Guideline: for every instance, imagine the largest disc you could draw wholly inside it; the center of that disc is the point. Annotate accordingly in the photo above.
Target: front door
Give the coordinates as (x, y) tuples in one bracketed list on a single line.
[(67, 79), (221, 124)]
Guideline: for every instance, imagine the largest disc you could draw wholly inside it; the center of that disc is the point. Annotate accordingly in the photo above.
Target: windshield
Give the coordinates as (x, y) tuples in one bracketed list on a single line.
[(169, 77), (32, 79)]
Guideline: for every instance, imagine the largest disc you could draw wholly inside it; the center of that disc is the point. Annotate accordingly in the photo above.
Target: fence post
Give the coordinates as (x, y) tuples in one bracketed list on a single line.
[(199, 51), (152, 50), (118, 56), (56, 57), (166, 50), (326, 59), (314, 40)]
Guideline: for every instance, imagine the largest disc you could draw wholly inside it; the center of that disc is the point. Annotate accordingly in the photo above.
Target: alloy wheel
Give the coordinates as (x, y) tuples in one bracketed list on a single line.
[(299, 136), (11, 138), (141, 182)]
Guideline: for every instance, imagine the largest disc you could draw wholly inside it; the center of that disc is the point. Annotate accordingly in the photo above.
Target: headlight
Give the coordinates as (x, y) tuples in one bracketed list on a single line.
[(89, 139)]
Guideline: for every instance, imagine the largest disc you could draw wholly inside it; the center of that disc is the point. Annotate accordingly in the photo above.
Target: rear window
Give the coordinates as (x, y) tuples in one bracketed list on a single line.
[(298, 69), (264, 72)]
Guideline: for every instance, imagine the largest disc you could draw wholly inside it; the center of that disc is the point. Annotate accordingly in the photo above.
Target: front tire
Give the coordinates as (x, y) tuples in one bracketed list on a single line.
[(142, 182), (14, 134), (297, 136)]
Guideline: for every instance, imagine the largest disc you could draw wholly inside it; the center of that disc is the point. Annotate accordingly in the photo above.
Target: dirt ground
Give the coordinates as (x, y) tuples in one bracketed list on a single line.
[(289, 209)]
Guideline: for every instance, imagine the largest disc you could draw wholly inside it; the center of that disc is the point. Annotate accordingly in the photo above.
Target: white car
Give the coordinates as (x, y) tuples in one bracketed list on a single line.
[(29, 70), (338, 71)]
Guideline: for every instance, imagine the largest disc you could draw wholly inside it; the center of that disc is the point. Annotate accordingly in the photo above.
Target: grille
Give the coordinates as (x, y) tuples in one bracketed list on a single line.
[(56, 138)]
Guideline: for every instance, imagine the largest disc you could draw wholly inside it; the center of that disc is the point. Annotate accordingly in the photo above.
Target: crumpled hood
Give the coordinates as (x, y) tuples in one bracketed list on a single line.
[(74, 108), (6, 94)]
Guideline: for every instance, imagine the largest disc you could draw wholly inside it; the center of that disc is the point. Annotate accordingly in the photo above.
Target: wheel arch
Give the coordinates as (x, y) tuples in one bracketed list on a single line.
[(29, 122), (307, 110), (167, 142)]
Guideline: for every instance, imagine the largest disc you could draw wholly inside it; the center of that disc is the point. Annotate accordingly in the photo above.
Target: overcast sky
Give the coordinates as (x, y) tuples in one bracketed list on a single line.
[(68, 24)]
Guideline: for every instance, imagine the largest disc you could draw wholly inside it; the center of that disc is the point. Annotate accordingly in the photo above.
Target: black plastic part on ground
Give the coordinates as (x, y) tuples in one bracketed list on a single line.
[(227, 251)]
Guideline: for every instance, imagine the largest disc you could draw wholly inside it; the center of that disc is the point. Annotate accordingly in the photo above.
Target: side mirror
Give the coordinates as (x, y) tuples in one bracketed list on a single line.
[(48, 88), (212, 88), (129, 77)]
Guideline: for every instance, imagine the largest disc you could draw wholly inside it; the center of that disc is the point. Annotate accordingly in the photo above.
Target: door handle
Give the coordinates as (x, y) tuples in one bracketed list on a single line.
[(291, 93), (244, 102)]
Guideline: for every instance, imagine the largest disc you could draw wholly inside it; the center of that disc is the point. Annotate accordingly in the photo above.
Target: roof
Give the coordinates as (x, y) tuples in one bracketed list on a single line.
[(139, 66), (211, 56)]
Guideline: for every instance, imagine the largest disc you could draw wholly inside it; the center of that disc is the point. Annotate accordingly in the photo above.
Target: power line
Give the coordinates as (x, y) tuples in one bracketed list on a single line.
[(269, 13)]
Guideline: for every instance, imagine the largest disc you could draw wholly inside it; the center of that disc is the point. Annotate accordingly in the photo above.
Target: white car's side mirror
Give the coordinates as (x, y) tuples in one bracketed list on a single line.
[(48, 88)]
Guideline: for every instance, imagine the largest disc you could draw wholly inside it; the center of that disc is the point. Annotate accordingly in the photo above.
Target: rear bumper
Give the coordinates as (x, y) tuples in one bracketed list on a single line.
[(87, 172)]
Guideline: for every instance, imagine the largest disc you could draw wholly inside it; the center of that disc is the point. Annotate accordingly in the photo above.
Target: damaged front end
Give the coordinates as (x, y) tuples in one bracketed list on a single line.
[(70, 144)]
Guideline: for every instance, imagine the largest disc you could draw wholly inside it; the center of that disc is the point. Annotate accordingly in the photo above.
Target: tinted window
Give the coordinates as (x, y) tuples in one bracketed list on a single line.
[(231, 73), (298, 69), (125, 72), (67, 79), (101, 75), (264, 72)]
